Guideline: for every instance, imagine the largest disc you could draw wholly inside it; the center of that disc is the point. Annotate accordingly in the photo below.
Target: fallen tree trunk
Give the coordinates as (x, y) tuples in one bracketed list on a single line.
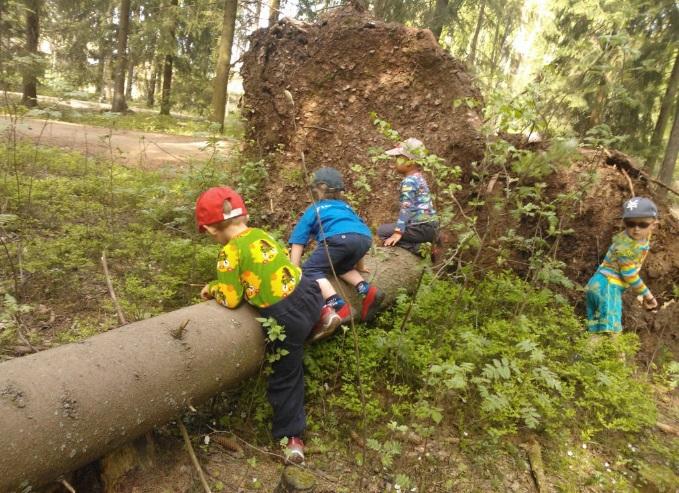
[(63, 408)]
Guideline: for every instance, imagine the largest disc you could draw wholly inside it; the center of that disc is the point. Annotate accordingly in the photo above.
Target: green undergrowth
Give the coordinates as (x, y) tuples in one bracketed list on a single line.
[(482, 367), (61, 211), (474, 370)]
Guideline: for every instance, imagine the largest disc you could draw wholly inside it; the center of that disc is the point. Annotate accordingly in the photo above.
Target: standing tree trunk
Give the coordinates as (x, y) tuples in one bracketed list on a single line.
[(223, 63), (119, 105), (153, 81), (274, 8), (471, 59), (670, 162), (663, 118), (439, 19), (99, 82), (165, 103), (130, 80), (30, 79)]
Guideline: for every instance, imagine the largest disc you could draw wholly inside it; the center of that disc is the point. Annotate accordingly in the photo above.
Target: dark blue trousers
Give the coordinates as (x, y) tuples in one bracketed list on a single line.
[(345, 251), (297, 313)]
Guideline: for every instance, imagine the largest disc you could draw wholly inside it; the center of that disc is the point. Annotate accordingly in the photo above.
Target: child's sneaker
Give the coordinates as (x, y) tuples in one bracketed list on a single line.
[(371, 303), (326, 326), (345, 314), (294, 451)]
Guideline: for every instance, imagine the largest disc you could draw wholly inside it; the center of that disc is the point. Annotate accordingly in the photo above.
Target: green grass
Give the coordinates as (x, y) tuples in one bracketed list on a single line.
[(62, 211)]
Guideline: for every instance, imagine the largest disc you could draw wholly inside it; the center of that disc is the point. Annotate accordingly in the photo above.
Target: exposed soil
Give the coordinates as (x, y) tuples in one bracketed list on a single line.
[(141, 149), (348, 65), (338, 71)]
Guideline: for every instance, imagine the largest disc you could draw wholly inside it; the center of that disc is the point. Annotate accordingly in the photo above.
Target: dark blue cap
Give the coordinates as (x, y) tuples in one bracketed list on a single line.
[(330, 176)]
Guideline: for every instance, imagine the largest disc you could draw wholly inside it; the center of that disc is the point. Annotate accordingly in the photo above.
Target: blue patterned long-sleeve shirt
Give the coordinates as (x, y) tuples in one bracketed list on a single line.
[(416, 203), (623, 262)]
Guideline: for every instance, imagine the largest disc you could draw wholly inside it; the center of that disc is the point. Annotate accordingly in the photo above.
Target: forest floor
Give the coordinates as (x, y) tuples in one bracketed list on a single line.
[(145, 150), (147, 255)]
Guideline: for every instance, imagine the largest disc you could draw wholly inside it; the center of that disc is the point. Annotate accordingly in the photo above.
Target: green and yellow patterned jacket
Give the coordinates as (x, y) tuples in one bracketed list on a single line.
[(255, 266)]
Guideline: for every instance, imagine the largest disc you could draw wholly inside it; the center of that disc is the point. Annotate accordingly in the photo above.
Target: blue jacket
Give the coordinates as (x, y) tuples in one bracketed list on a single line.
[(337, 218)]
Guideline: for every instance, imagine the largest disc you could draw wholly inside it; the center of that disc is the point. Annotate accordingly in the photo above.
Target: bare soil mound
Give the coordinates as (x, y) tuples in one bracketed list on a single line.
[(338, 71), (348, 65)]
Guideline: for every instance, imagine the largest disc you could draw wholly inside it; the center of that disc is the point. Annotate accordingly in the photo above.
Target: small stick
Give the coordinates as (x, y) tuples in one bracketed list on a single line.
[(104, 263), (667, 428), (192, 454), (67, 485), (319, 128), (629, 182)]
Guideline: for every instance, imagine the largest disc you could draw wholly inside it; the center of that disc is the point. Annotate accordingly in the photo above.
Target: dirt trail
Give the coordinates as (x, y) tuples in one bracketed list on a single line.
[(143, 149)]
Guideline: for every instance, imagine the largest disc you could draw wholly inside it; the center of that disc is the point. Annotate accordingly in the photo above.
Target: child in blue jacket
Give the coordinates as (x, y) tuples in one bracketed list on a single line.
[(347, 239)]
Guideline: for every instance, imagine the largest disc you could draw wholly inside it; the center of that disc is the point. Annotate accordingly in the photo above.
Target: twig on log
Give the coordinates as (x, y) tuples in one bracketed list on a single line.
[(192, 454), (178, 332), (104, 263)]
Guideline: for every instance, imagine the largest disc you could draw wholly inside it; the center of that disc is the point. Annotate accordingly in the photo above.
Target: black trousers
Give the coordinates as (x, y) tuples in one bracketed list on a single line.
[(412, 236), (297, 313)]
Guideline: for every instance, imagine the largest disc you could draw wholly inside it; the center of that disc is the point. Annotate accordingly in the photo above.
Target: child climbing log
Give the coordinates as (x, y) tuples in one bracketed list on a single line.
[(65, 407)]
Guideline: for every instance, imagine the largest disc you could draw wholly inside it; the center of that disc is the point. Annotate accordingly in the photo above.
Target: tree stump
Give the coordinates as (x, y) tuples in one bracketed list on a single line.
[(295, 479)]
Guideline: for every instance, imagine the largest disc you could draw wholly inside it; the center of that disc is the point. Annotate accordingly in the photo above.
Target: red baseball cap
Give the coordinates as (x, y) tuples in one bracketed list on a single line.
[(210, 206)]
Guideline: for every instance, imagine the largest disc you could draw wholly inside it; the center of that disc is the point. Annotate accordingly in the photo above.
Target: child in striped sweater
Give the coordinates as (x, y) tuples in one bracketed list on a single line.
[(620, 268)]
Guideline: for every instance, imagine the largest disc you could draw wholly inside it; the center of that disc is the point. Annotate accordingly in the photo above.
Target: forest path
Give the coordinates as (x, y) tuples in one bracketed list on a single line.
[(145, 150)]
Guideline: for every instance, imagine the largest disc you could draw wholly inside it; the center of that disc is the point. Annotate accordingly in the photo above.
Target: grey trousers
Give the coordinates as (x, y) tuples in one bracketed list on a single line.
[(412, 236)]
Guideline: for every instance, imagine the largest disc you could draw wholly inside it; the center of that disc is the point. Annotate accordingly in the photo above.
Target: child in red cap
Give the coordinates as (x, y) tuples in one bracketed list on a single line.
[(255, 266)]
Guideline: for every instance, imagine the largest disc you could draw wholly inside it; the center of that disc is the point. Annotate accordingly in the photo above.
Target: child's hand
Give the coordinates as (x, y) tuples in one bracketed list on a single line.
[(393, 239), (650, 303), (205, 293)]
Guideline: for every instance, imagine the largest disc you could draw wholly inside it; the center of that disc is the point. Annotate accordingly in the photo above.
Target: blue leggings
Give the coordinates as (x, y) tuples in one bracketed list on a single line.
[(604, 305)]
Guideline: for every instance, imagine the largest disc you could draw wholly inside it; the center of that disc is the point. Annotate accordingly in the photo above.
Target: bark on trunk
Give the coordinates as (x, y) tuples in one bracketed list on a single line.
[(439, 18), (165, 101), (151, 88), (274, 7), (99, 83), (663, 118), (30, 79), (130, 80), (670, 162), (65, 407), (221, 81), (471, 59), (119, 105)]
